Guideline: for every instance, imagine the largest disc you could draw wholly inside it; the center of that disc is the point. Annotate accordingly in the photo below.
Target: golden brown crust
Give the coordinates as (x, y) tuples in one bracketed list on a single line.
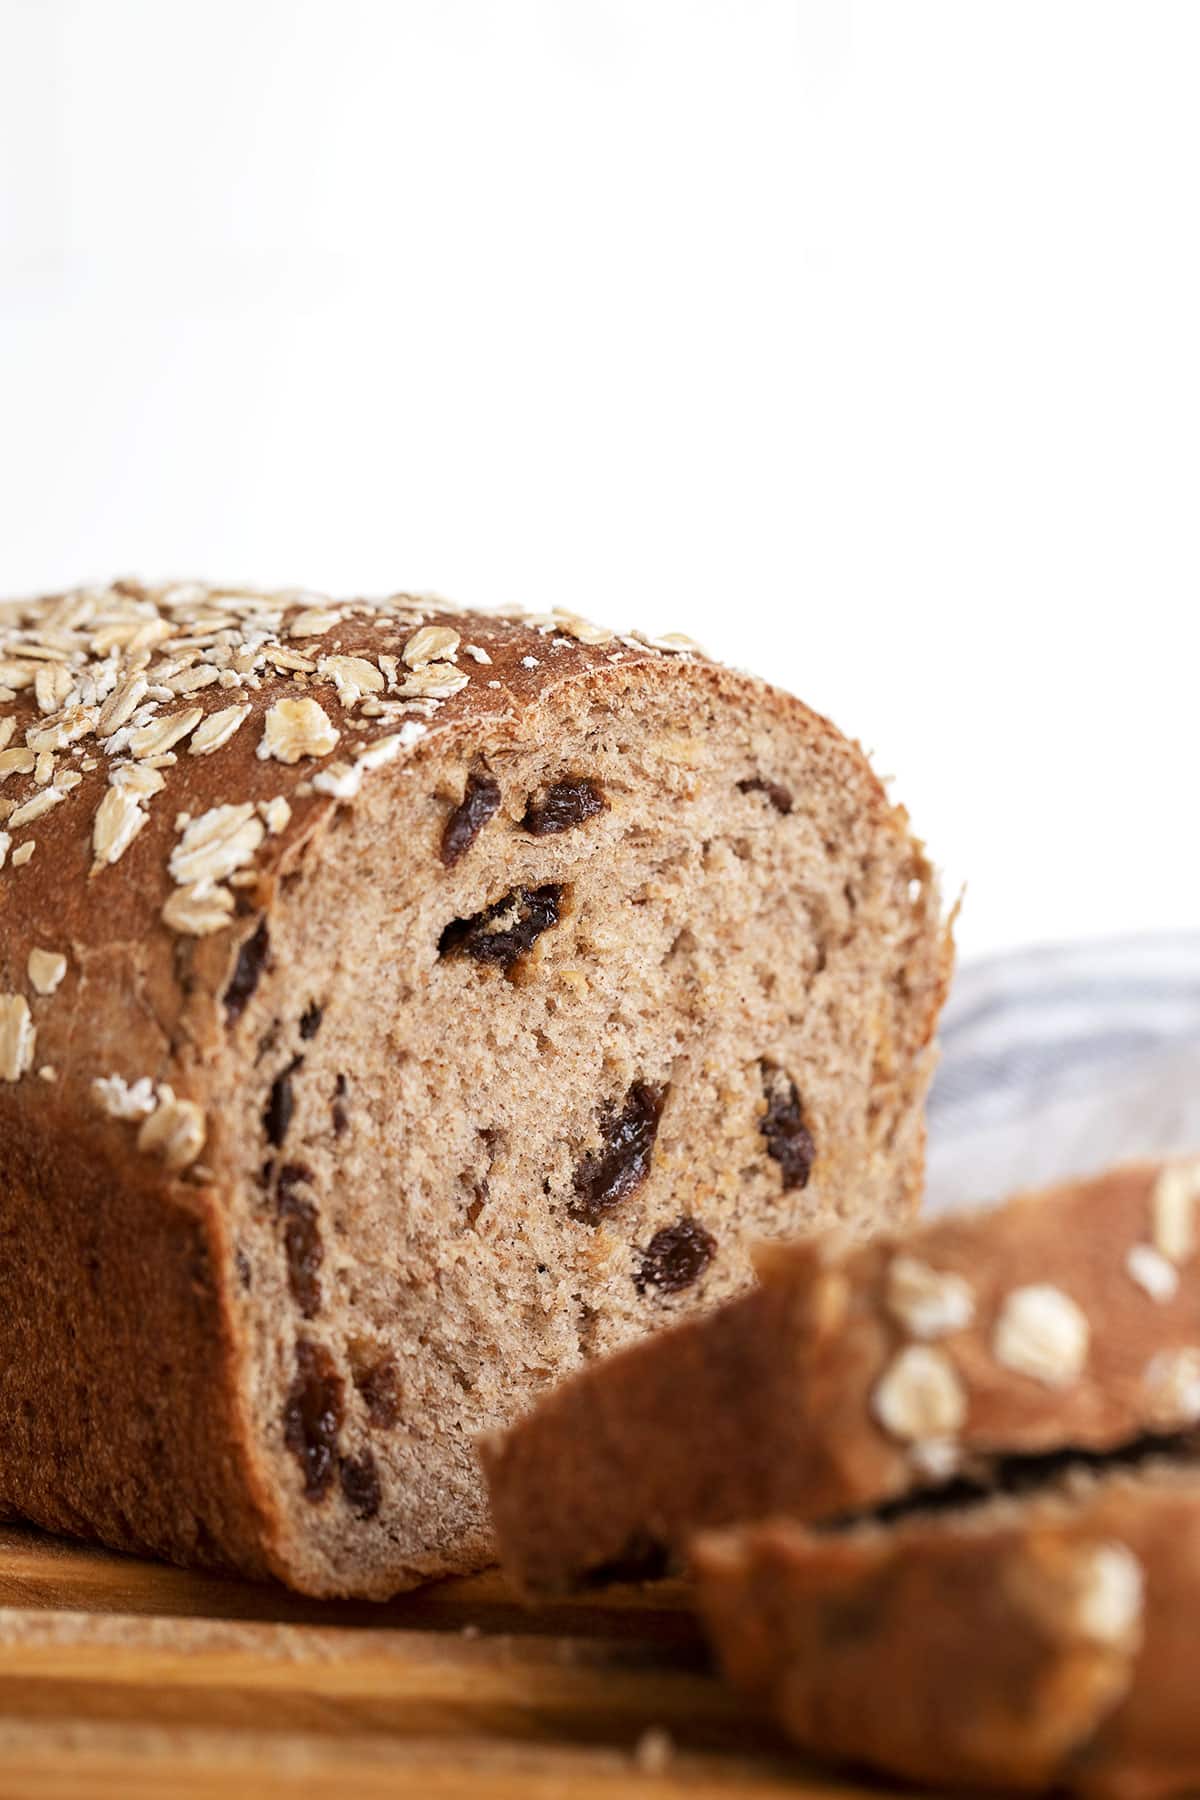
[(116, 1260), (858, 1374), (1036, 1643)]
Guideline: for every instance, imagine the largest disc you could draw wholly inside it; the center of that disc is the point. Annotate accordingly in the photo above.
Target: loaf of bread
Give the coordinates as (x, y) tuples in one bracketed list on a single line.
[(1039, 1641), (859, 1374), (398, 1008)]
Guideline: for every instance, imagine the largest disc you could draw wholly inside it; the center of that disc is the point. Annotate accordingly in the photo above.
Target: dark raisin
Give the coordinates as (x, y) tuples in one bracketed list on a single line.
[(251, 961), (480, 802), (281, 1104), (789, 1140), (310, 1020), (505, 932), (379, 1384), (339, 1110), (301, 1238), (360, 1484), (675, 1257), (779, 796), (312, 1416), (564, 805), (622, 1163)]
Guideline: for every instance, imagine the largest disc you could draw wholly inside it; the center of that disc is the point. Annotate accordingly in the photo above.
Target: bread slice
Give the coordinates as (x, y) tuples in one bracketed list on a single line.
[(1025, 1643), (857, 1374), (399, 1007)]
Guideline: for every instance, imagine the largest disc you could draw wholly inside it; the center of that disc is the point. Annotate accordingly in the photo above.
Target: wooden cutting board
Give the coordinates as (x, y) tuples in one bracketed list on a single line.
[(126, 1680)]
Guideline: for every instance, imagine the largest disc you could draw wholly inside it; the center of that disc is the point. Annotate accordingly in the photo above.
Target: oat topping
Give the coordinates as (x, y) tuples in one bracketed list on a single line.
[(353, 676), (1152, 1272), (920, 1396), (1041, 1332), (431, 644), (17, 1037), (928, 1303), (217, 729), (530, 662), (5, 844), (161, 733), (121, 1099), (314, 621), (23, 852), (476, 652), (1172, 1385), (198, 910), (1088, 1591), (35, 807), (296, 728), (46, 970), (174, 1131), (275, 814), (1173, 1211), (118, 820), (221, 840)]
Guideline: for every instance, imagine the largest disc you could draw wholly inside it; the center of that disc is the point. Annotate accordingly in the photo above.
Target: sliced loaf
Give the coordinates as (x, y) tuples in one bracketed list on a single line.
[(858, 1374), (1039, 1641)]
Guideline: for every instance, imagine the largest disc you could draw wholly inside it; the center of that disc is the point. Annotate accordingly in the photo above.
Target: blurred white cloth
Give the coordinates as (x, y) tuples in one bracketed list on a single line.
[(1060, 1060)]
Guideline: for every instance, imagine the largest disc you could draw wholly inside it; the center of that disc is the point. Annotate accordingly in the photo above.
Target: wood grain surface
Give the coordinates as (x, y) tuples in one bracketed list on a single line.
[(122, 1678)]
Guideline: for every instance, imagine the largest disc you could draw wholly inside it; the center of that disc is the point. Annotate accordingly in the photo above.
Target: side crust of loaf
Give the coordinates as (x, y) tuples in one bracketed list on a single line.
[(1042, 1642), (262, 1281), (859, 1374)]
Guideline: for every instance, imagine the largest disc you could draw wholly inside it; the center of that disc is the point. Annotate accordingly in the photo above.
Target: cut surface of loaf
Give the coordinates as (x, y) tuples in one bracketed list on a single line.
[(1040, 1641), (398, 1008), (858, 1374)]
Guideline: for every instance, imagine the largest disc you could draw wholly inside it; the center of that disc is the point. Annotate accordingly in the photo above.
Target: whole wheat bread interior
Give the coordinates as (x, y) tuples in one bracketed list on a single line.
[(400, 1008)]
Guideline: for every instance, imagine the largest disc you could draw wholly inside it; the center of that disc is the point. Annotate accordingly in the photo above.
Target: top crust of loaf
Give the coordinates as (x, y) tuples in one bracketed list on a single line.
[(122, 928), (1036, 1642), (858, 1374)]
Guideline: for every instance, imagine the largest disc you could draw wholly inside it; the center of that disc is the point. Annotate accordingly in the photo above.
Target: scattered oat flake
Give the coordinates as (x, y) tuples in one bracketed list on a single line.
[(275, 814), (18, 1036), (174, 1131), (386, 749), (159, 735), (46, 969), (476, 651), (138, 779), (530, 662), (7, 727), (199, 910), (296, 728), (17, 761), (5, 846), (118, 820), (217, 729), (432, 643), (48, 1072), (1153, 1272), (353, 676), (121, 704), (434, 681), (338, 779), (221, 840), (314, 621), (35, 807), (122, 1099), (583, 629), (23, 852)]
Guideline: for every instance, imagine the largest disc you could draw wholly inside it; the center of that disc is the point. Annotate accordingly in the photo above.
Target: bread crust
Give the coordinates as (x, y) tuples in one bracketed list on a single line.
[(858, 1374), (123, 1379), (1043, 1642)]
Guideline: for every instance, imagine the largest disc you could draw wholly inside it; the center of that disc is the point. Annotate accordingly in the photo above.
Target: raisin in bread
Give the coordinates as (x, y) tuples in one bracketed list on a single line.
[(1038, 1641), (400, 1007), (857, 1374)]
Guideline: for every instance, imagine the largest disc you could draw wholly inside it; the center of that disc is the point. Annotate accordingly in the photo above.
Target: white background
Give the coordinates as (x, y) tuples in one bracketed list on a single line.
[(861, 341)]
